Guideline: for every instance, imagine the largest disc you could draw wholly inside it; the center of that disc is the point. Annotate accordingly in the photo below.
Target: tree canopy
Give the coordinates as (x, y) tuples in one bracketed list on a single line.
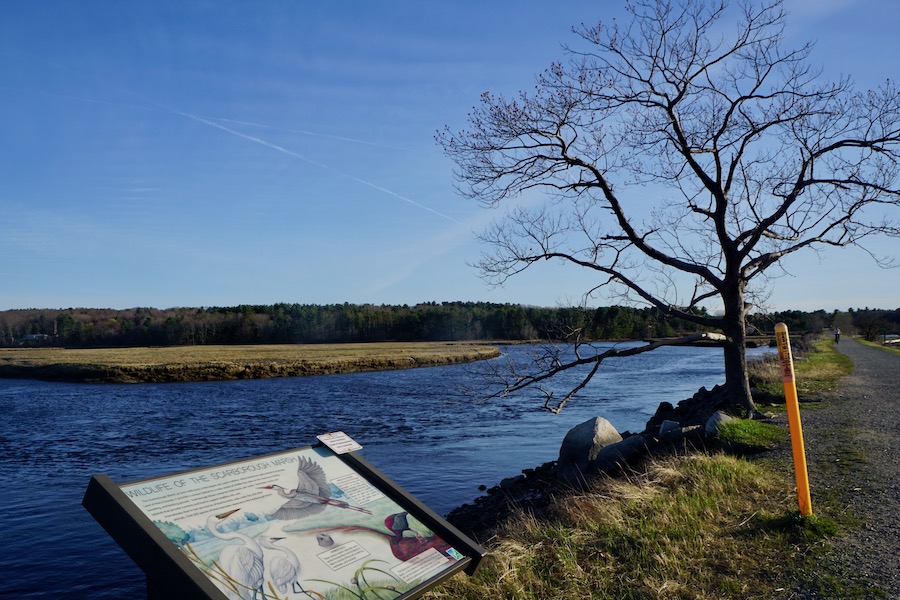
[(311, 323)]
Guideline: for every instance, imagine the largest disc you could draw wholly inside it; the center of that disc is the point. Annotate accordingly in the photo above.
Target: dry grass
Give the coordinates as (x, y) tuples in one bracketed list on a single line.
[(190, 363), (690, 527), (818, 370)]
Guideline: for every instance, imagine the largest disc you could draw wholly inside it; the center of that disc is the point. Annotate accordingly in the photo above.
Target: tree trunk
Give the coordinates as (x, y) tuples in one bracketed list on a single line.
[(736, 379)]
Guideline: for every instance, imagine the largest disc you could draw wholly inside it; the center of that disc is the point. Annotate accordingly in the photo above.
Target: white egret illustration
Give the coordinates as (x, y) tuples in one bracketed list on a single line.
[(243, 563), (283, 569)]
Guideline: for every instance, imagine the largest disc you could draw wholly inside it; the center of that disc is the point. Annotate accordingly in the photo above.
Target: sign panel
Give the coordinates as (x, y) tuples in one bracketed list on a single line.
[(305, 523)]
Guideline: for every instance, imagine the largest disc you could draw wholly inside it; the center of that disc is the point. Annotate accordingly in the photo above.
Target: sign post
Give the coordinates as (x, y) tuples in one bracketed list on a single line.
[(792, 405)]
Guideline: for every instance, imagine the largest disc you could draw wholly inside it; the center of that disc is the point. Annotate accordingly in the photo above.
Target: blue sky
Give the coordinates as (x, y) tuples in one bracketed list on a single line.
[(219, 153)]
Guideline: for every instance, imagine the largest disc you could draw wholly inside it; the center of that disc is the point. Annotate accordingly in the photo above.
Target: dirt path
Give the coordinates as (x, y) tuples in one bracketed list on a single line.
[(853, 453)]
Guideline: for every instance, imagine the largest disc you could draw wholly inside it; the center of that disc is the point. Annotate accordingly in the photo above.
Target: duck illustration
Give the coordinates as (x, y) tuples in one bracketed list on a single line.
[(402, 547)]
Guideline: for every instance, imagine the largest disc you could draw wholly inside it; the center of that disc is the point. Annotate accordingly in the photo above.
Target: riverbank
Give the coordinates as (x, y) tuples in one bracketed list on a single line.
[(218, 363), (718, 521)]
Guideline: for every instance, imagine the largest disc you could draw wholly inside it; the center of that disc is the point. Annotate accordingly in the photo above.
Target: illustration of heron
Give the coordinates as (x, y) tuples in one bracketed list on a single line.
[(243, 563), (311, 496), (283, 570)]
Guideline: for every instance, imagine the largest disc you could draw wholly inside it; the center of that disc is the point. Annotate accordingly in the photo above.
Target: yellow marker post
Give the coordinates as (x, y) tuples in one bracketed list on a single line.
[(793, 413)]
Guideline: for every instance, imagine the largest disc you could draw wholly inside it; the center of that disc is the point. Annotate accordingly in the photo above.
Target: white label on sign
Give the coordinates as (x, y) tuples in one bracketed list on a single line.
[(343, 556), (357, 488), (420, 565), (339, 442)]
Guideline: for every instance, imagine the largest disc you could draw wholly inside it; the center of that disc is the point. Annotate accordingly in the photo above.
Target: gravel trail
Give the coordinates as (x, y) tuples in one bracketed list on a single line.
[(853, 453)]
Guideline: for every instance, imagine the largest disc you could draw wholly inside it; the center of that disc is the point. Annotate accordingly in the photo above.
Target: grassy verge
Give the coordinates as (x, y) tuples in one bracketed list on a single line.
[(704, 525), (208, 363), (891, 350), (818, 368)]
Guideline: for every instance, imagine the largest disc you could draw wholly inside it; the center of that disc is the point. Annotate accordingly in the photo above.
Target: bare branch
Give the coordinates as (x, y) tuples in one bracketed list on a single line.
[(514, 381)]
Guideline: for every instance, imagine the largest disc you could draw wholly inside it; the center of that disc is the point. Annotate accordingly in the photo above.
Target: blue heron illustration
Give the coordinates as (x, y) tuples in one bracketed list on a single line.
[(311, 496)]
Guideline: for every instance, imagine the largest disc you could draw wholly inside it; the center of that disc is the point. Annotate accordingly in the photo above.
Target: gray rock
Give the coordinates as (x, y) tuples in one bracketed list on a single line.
[(692, 411), (670, 431), (714, 422), (692, 431), (582, 444), (509, 482), (617, 456)]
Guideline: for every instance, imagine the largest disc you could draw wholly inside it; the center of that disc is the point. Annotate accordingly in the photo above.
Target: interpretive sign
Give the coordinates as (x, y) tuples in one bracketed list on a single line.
[(306, 523)]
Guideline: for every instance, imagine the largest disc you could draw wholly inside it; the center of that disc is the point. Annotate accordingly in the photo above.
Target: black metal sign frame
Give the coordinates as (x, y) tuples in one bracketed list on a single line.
[(376, 529)]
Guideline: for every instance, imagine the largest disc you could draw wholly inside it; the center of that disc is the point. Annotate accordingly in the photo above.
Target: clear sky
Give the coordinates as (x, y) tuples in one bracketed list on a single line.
[(211, 153)]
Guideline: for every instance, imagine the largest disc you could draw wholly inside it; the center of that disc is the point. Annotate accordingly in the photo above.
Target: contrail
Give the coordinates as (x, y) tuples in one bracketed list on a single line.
[(316, 163), (251, 138), (304, 132)]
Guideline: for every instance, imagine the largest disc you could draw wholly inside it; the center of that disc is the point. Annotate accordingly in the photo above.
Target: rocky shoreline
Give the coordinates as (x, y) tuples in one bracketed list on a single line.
[(590, 449)]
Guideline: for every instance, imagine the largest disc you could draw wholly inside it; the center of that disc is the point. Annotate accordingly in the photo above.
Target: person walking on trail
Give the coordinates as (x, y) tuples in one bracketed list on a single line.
[(837, 335)]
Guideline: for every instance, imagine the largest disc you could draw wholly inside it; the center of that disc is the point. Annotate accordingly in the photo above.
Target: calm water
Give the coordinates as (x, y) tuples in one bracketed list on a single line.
[(417, 426)]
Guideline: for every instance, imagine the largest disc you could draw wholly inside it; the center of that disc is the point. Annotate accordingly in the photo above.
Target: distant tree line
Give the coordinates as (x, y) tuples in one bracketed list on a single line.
[(431, 321), (309, 323)]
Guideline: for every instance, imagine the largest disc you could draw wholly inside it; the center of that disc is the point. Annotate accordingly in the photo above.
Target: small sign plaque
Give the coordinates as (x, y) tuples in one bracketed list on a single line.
[(339, 442)]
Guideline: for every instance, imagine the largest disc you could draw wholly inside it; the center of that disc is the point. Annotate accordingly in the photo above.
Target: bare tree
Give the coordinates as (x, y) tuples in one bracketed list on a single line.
[(684, 158), (871, 324)]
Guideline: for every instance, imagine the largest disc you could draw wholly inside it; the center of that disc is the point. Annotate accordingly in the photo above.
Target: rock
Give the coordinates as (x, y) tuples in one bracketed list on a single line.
[(582, 444), (692, 431), (481, 518), (693, 411), (509, 482), (615, 457), (670, 431), (714, 422)]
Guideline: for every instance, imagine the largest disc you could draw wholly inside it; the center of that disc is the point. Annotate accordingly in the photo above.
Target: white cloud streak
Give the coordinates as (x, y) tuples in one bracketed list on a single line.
[(305, 132), (316, 163)]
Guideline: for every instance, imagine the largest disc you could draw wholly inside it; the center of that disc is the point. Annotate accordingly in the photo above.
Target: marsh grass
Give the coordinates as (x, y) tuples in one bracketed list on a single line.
[(193, 354), (204, 363), (695, 526)]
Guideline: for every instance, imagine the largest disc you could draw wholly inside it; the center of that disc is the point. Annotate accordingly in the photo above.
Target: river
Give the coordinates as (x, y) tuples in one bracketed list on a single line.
[(418, 426)]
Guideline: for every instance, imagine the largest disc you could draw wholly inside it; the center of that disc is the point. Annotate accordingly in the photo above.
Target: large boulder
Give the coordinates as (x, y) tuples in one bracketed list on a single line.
[(670, 431), (616, 457), (711, 428), (582, 445)]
